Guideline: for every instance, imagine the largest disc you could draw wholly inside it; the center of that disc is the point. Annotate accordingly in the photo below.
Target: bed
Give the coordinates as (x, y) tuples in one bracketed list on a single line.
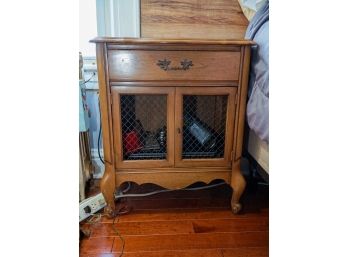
[(258, 94)]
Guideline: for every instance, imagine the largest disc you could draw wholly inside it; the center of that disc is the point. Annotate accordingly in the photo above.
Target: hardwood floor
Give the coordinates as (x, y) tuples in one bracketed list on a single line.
[(183, 223)]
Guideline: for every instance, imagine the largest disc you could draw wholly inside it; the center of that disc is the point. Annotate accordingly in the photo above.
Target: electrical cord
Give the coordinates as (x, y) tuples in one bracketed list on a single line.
[(121, 195), (119, 235), (128, 188), (99, 137), (86, 81), (95, 218), (99, 134)]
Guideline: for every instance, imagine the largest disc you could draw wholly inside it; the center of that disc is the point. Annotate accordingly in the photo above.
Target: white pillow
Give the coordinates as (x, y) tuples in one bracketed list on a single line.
[(250, 7)]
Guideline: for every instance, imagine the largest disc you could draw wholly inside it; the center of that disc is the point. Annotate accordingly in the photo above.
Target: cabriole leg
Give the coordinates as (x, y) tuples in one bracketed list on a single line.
[(107, 186), (238, 185)]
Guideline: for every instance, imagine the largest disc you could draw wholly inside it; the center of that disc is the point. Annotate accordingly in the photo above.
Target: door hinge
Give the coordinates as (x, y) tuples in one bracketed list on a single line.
[(236, 99)]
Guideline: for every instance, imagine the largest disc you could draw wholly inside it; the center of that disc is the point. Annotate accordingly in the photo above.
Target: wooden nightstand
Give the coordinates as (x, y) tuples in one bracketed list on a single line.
[(172, 112)]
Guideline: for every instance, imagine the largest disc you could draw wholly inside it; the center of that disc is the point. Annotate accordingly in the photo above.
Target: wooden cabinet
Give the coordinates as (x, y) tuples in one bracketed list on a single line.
[(172, 112), (204, 118), (140, 115)]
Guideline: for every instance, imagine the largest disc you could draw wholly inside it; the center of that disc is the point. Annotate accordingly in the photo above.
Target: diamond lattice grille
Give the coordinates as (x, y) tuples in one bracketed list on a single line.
[(204, 126), (144, 120)]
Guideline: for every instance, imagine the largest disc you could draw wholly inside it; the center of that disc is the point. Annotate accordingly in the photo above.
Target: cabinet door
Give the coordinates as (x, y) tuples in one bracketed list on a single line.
[(143, 121), (204, 119)]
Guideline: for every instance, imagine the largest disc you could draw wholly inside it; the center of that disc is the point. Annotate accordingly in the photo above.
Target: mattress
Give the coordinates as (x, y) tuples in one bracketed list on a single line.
[(258, 149)]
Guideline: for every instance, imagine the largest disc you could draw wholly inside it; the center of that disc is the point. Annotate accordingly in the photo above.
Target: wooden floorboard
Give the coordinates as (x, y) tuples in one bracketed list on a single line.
[(232, 252), (97, 245), (142, 228), (177, 253), (245, 252), (191, 223), (182, 227), (187, 214), (192, 241), (230, 225)]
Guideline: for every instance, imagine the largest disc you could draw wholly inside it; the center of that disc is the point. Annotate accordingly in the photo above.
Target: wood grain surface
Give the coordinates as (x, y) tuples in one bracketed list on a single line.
[(117, 42), (122, 61), (220, 19), (229, 120), (168, 225), (127, 65), (169, 94)]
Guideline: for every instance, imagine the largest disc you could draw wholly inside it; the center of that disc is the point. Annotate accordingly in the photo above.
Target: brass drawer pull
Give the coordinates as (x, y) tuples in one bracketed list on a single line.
[(164, 65)]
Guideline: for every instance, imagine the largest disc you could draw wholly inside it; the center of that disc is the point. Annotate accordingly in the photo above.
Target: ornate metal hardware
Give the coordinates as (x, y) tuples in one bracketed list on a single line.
[(164, 65)]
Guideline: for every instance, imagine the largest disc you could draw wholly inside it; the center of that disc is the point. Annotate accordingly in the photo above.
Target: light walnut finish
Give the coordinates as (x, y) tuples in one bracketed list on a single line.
[(172, 180), (130, 65), (238, 182), (104, 100), (194, 19), (108, 181), (172, 42), (243, 90), (176, 47), (169, 92), (217, 162), (108, 186), (220, 68), (173, 83)]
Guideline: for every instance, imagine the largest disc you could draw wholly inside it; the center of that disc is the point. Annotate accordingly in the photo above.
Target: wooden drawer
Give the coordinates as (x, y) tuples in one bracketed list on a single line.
[(145, 65)]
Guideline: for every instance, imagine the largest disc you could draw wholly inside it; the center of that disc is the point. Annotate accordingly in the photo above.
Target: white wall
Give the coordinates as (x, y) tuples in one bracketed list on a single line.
[(118, 18), (114, 18), (87, 26)]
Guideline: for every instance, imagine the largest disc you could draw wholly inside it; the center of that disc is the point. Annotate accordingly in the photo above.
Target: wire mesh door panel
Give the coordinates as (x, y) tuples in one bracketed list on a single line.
[(143, 126), (206, 127)]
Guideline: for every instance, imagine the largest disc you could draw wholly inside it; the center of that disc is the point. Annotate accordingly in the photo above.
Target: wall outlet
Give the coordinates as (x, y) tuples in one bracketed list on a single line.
[(91, 205)]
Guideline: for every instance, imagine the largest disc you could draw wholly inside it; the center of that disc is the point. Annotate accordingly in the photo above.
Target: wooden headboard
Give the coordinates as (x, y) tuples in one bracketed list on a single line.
[(220, 19)]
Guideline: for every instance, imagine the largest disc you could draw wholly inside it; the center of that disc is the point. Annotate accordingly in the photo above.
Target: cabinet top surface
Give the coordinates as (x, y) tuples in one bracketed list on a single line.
[(121, 41)]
